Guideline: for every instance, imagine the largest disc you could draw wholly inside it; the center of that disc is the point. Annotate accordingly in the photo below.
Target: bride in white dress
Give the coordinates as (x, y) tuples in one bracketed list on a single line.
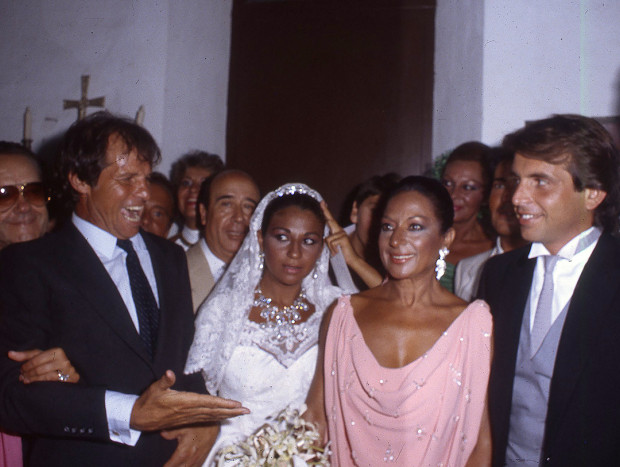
[(256, 335)]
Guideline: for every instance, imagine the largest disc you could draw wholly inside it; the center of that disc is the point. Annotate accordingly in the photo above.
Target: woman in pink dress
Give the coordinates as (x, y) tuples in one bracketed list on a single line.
[(404, 367)]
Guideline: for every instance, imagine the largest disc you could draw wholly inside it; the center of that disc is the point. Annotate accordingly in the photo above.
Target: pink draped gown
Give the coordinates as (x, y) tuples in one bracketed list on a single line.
[(426, 413)]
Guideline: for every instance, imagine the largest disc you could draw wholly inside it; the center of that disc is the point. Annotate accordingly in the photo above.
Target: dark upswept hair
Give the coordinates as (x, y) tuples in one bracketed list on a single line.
[(195, 158), (474, 151), (84, 145), (300, 200), (159, 179), (9, 148), (499, 155), (375, 185), (587, 151), (434, 191)]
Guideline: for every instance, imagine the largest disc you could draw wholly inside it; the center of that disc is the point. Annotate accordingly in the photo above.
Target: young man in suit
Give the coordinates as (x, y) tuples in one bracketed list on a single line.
[(553, 392), (117, 300)]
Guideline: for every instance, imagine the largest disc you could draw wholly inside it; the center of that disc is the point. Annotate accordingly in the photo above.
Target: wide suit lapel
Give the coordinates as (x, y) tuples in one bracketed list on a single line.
[(200, 275), (591, 303), (507, 321), (83, 268), (165, 291), (176, 320)]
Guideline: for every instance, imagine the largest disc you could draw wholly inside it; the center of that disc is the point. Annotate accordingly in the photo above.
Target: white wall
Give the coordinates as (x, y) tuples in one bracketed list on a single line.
[(170, 56), (457, 99), (555, 56), (197, 77), (538, 58), (498, 63)]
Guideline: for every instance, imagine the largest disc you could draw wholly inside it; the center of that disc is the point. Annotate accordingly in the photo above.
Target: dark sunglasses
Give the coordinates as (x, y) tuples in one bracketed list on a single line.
[(35, 193)]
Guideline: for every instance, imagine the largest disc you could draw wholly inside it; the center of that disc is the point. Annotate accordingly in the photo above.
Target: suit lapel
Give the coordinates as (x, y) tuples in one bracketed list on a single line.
[(516, 294), (590, 304), (510, 300), (93, 282), (158, 262), (200, 275)]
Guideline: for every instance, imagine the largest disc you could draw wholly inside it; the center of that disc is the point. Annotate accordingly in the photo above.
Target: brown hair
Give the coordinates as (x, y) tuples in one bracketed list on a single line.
[(84, 146), (587, 151)]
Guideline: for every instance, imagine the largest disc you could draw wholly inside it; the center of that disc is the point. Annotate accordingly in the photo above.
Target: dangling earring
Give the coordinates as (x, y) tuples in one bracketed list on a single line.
[(261, 260), (315, 274), (440, 264)]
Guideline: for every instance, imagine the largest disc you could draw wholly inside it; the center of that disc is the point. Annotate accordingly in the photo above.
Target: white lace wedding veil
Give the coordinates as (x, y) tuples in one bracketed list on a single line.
[(221, 317)]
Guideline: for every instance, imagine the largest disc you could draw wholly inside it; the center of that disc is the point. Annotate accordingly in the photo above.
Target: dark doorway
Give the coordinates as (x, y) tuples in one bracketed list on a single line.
[(330, 92)]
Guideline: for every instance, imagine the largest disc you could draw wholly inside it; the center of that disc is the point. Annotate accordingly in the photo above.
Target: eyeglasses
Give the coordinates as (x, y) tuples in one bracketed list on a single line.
[(35, 193)]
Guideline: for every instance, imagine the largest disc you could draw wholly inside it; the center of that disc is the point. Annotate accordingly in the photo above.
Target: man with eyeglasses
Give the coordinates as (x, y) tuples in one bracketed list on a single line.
[(23, 211)]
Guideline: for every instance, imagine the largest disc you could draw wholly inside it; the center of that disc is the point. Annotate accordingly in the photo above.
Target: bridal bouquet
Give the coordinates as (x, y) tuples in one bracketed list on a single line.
[(288, 440)]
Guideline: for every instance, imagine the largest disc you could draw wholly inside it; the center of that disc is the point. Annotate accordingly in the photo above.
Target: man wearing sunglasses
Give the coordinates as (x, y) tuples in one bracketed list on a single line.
[(23, 198), (117, 301), (23, 217)]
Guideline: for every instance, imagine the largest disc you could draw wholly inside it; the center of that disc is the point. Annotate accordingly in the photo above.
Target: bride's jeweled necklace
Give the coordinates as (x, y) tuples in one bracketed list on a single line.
[(281, 320)]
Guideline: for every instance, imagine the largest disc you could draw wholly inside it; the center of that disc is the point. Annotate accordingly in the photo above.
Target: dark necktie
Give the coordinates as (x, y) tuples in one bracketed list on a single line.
[(143, 298)]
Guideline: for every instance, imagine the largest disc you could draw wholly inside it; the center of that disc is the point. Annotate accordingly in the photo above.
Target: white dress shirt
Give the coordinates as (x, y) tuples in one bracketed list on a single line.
[(216, 265), (188, 237), (566, 273), (118, 405)]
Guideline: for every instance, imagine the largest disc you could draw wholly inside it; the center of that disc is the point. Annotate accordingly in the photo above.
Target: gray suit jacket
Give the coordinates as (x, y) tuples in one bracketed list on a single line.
[(200, 276)]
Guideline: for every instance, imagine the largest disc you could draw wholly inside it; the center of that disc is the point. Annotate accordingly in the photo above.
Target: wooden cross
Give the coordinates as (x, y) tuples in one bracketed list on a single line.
[(84, 101)]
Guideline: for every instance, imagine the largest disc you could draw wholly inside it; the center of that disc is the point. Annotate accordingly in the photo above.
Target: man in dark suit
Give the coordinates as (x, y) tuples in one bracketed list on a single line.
[(553, 392), (117, 300)]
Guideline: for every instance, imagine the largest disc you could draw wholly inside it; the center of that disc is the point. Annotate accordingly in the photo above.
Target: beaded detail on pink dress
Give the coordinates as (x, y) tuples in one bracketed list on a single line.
[(426, 413)]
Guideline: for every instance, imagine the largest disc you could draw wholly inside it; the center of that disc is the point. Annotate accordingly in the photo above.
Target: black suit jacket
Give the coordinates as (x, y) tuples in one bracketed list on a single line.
[(54, 292), (583, 418)]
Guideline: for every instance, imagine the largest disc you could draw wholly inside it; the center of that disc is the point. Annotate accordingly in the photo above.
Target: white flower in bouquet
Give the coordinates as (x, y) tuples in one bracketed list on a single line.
[(287, 441)]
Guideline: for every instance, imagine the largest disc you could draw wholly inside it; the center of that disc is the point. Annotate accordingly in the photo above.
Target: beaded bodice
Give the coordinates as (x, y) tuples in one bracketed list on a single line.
[(287, 348)]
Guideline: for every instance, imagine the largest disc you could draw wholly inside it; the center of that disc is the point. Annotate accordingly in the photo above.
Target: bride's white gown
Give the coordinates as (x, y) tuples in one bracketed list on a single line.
[(267, 375)]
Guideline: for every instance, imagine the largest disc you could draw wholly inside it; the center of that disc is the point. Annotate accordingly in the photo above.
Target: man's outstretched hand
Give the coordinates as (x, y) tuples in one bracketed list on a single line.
[(160, 408)]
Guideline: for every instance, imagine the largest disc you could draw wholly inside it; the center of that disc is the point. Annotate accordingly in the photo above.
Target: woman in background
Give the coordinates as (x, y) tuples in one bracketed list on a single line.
[(467, 177), (187, 174)]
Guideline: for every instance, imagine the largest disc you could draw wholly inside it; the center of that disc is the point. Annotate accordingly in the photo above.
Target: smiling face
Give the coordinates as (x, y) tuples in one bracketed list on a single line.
[(233, 196), (187, 193), (549, 209), (22, 221), (465, 183), (410, 236), (116, 202), (292, 244), (157, 216)]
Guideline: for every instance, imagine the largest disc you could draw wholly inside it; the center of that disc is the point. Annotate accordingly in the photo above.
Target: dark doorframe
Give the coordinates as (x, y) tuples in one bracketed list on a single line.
[(330, 92)]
